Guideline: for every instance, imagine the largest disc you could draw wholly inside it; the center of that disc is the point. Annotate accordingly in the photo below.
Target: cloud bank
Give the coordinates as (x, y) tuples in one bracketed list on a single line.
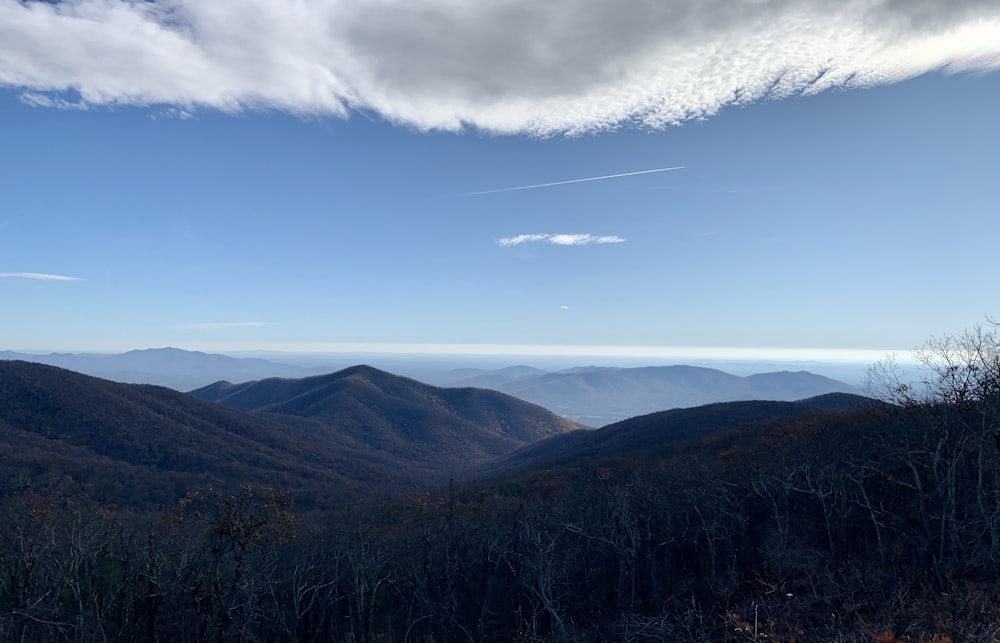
[(518, 66), (559, 239), (38, 276)]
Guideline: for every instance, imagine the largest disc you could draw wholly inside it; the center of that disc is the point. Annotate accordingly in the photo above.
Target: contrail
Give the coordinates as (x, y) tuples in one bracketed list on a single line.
[(40, 276), (592, 178)]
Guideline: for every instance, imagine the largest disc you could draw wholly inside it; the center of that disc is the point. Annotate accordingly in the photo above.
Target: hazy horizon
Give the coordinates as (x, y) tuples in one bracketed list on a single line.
[(437, 367)]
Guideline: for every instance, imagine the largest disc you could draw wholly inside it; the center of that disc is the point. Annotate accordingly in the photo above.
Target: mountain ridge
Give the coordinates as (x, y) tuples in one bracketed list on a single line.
[(137, 439), (393, 411), (175, 368), (597, 396), (657, 433)]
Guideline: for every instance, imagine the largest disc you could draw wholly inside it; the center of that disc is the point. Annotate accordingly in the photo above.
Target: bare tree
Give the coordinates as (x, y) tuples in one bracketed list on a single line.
[(947, 450)]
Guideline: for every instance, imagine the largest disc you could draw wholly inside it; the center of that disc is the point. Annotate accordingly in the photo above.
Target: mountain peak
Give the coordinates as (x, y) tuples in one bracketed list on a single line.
[(453, 427)]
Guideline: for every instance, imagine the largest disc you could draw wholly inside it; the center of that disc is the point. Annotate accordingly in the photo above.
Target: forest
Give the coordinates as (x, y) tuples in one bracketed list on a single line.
[(878, 523)]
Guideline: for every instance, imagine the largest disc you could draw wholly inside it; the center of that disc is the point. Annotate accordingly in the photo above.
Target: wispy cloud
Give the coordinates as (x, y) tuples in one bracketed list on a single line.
[(592, 178), (221, 325), (514, 66), (43, 100), (560, 239), (39, 276)]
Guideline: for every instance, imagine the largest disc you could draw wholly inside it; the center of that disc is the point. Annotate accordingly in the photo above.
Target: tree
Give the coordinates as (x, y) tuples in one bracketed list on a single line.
[(948, 441)]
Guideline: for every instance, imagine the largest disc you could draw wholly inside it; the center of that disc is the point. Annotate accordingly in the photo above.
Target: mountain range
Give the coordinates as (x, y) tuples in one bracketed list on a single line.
[(353, 432), (813, 514), (597, 396), (175, 368), (593, 396), (359, 431)]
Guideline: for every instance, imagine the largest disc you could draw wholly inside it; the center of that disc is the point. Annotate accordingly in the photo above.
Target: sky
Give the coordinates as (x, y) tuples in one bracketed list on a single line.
[(757, 178)]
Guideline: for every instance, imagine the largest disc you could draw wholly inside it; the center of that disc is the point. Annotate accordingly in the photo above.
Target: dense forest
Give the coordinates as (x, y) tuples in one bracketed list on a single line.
[(878, 523)]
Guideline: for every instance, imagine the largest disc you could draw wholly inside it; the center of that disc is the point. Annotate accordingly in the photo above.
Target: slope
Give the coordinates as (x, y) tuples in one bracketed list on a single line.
[(658, 433), (140, 444)]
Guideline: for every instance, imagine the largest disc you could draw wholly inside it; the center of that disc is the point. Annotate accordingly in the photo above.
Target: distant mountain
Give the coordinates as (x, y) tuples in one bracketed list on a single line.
[(596, 396), (440, 430), (481, 378), (172, 367), (656, 434)]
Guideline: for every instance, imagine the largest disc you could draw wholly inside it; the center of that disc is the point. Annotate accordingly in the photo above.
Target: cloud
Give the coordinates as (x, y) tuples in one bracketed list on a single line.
[(221, 325), (39, 276), (43, 100), (514, 66), (522, 238), (560, 239)]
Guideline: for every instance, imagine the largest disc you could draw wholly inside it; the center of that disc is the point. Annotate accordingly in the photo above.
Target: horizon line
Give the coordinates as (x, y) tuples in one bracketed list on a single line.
[(523, 350)]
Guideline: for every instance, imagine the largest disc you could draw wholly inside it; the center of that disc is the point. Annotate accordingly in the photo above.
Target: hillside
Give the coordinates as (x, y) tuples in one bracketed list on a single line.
[(443, 430), (655, 434), (150, 444)]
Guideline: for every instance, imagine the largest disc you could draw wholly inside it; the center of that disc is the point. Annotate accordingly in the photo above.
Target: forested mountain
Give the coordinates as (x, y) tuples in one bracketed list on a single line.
[(442, 429), (656, 433), (835, 518), (597, 396), (593, 396), (139, 444)]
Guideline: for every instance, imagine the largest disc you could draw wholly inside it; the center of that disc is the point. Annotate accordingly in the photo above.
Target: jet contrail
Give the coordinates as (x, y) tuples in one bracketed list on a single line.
[(592, 178), (40, 276)]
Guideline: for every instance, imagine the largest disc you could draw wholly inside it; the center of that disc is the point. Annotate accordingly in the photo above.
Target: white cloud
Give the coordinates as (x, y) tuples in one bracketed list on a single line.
[(44, 100), (39, 276), (512, 66), (522, 238), (221, 325), (560, 239), (582, 239)]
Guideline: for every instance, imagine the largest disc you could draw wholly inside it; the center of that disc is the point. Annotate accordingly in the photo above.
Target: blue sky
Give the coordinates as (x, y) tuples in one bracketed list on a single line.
[(219, 179)]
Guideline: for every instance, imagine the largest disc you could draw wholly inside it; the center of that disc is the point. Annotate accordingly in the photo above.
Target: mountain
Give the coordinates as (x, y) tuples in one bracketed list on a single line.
[(172, 367), (599, 395), (656, 434), (358, 432), (591, 395), (481, 378), (141, 444), (438, 429)]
